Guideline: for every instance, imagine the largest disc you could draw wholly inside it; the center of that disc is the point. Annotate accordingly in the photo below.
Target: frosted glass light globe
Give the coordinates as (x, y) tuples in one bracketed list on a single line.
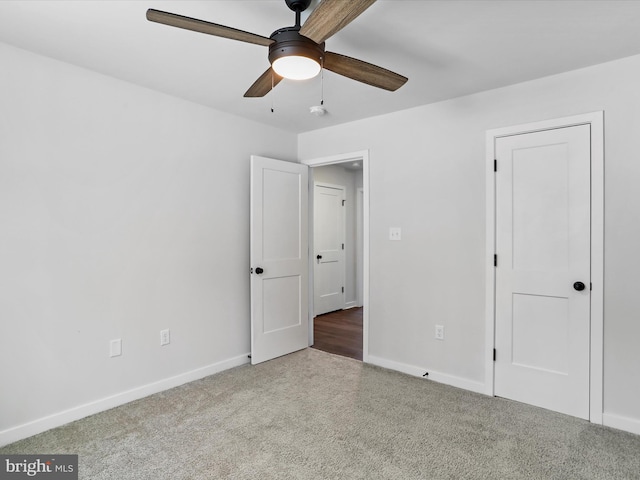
[(296, 67)]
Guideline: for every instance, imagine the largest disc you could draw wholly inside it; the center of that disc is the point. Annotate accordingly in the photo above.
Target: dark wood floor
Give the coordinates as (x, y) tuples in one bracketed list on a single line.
[(339, 332)]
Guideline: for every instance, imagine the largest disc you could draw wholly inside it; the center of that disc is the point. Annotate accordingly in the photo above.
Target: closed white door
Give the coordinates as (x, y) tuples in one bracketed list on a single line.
[(543, 269), (279, 258), (328, 241)]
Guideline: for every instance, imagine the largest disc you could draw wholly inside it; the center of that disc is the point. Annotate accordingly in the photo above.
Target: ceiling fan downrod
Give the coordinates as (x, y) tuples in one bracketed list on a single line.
[(298, 6)]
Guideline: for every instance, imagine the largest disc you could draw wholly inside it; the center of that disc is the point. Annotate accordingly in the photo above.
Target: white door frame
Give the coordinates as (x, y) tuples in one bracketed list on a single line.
[(312, 225), (596, 121), (359, 238), (361, 156)]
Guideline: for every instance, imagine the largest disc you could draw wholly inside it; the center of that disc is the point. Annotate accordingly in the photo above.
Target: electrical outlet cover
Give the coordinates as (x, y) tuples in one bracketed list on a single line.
[(115, 347), (395, 233)]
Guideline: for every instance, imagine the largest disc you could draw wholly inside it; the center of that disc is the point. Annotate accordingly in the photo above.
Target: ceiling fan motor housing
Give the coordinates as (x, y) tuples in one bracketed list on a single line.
[(288, 42)]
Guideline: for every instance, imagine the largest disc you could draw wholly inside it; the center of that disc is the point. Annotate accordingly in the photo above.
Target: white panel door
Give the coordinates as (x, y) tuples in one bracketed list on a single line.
[(543, 253), (279, 258), (328, 244)]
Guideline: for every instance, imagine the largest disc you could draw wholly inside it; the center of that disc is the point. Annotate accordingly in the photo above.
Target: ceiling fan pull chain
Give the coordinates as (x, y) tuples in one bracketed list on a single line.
[(272, 87), (322, 81)]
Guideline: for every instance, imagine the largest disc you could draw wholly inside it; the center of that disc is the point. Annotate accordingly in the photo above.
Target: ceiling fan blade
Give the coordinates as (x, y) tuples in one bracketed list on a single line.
[(332, 16), (201, 26), (263, 85), (363, 72)]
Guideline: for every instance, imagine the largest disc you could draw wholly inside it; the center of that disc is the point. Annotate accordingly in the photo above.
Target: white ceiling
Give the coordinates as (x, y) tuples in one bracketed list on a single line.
[(447, 49)]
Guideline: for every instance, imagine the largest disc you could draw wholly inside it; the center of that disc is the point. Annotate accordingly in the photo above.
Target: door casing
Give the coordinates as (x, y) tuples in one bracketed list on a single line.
[(360, 156), (596, 122), (359, 240)]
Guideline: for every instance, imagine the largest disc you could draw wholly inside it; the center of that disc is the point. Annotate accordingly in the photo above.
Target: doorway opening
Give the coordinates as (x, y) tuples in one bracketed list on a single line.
[(342, 329)]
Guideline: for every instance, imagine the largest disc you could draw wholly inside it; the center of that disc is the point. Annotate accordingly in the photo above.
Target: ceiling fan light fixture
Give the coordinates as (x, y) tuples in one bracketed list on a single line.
[(296, 67), (294, 56)]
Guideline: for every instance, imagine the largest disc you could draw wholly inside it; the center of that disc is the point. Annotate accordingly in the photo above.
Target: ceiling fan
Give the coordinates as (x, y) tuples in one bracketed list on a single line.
[(298, 52)]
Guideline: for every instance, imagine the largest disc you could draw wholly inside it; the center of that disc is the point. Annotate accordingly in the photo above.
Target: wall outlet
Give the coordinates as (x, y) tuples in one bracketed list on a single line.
[(165, 337), (115, 347), (439, 332), (395, 233)]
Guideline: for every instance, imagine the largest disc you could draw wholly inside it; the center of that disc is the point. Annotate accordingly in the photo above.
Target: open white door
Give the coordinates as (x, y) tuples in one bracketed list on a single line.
[(328, 243), (279, 258)]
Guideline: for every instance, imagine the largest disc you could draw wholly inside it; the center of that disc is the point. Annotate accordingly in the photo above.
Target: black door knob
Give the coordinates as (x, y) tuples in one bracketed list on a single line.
[(318, 257), (259, 270), (579, 286)]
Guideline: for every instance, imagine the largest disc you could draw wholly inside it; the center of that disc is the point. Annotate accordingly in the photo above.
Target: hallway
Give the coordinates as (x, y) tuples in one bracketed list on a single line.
[(339, 332)]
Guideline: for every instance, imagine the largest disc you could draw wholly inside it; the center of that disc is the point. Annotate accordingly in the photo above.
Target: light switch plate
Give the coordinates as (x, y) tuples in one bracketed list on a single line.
[(395, 233), (165, 337)]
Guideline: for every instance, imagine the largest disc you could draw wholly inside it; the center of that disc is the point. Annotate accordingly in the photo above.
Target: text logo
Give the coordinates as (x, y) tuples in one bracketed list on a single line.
[(46, 467)]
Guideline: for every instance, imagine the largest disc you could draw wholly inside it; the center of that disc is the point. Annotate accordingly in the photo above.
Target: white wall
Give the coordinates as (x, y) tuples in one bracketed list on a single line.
[(427, 174), (338, 175), (122, 212)]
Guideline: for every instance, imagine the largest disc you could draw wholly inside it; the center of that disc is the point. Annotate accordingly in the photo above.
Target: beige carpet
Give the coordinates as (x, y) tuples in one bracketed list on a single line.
[(313, 415)]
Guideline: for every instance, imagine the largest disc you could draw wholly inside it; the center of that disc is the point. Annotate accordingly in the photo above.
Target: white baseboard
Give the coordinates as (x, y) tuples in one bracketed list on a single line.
[(621, 423), (627, 424), (40, 425), (452, 380), (348, 305)]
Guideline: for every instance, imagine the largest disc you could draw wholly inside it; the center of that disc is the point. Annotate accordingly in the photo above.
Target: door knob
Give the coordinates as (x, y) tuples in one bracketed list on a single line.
[(259, 270), (579, 286), (318, 257)]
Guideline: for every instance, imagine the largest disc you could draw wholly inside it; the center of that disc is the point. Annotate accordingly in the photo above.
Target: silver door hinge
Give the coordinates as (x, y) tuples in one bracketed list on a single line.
[(343, 202), (342, 289)]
